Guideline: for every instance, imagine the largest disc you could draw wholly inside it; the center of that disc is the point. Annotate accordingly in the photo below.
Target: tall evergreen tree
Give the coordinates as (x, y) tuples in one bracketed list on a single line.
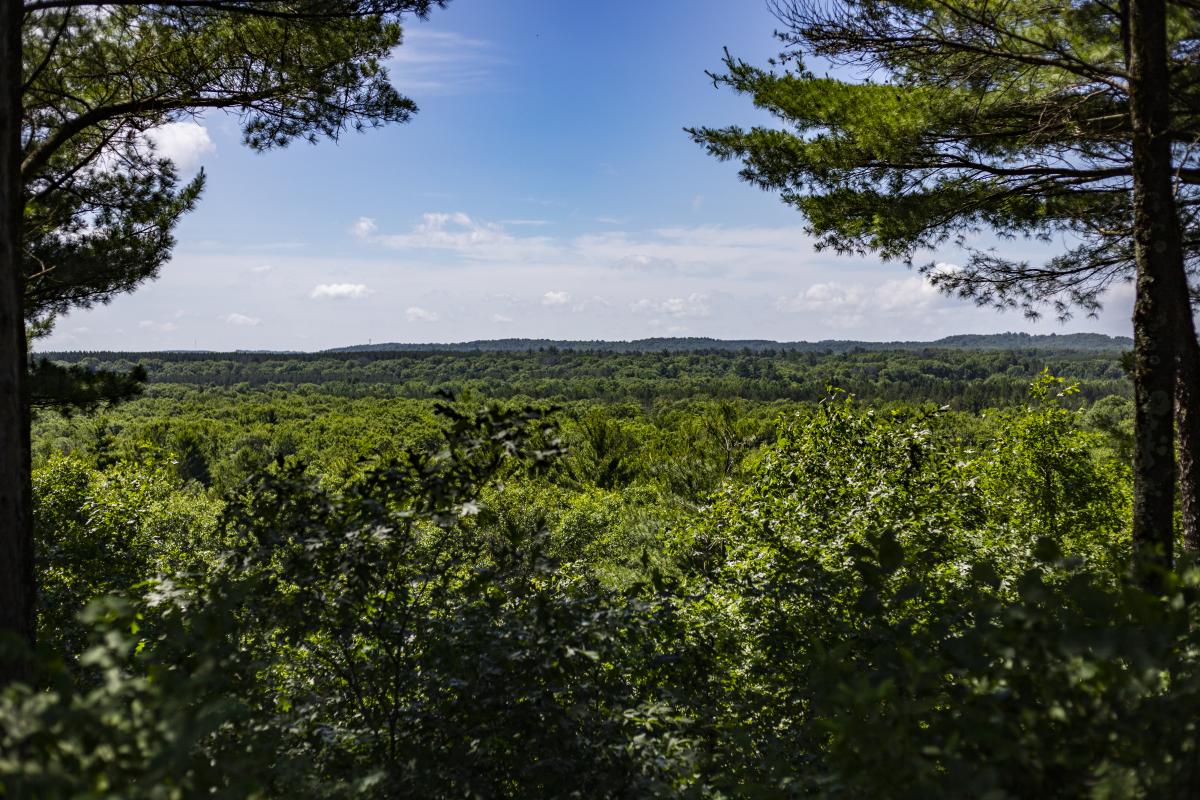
[(1028, 118), (86, 211)]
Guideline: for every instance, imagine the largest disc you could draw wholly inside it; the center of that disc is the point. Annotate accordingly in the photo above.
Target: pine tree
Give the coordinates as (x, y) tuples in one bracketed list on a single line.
[(1030, 119), (87, 212)]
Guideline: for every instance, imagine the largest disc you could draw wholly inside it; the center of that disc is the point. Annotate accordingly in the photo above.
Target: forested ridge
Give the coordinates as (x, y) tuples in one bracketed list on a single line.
[(964, 378), (997, 341)]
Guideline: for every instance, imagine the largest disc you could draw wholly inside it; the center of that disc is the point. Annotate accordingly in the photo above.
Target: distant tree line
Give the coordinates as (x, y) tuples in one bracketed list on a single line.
[(971, 380), (994, 341)]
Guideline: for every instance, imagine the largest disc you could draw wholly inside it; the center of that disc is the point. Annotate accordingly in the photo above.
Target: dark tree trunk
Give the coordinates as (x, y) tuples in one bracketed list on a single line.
[(1159, 256), (17, 590), (1187, 425)]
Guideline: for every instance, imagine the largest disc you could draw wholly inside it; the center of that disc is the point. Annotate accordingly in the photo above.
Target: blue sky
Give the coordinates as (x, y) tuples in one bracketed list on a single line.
[(545, 189)]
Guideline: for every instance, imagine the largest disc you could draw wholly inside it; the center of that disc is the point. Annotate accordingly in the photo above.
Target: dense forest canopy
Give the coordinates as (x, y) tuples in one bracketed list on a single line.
[(966, 378), (662, 591)]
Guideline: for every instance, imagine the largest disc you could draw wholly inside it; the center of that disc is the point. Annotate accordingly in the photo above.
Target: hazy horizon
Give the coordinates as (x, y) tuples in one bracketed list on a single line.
[(450, 343)]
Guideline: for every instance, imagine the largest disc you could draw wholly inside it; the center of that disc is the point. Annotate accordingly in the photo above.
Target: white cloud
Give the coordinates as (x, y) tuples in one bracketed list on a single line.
[(644, 263), (697, 251), (701, 251), (340, 291), (694, 305), (364, 227), (906, 294), (185, 143), (772, 274), (242, 320), (442, 62), (415, 314), (460, 234), (261, 268), (455, 231), (847, 305), (556, 298), (825, 297)]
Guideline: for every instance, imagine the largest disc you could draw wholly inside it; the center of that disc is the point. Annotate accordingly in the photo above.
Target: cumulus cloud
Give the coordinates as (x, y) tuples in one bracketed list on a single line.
[(556, 298), (261, 268), (825, 297), (242, 320), (501, 318), (364, 228), (462, 235), (455, 231), (340, 291), (846, 305), (185, 143), (694, 305), (907, 294), (157, 327), (416, 314)]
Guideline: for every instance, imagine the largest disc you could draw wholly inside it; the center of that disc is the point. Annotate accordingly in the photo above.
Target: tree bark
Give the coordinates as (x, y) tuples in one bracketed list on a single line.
[(17, 589), (1187, 426), (1159, 256)]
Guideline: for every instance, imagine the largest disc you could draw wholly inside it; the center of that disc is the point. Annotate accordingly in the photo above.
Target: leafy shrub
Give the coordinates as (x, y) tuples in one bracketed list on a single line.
[(105, 531), (359, 643)]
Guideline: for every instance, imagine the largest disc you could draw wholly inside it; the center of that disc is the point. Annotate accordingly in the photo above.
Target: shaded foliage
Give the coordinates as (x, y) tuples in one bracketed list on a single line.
[(77, 388)]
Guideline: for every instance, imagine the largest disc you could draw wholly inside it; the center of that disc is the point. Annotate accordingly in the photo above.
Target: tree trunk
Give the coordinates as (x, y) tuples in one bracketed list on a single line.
[(1187, 426), (17, 588), (1159, 256)]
